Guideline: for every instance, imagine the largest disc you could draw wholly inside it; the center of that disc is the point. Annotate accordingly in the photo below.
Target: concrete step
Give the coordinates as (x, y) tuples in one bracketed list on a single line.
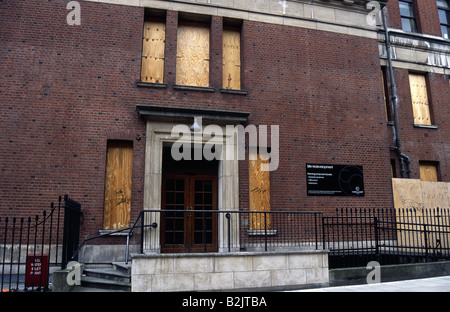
[(108, 273), (110, 277), (98, 283), (122, 267)]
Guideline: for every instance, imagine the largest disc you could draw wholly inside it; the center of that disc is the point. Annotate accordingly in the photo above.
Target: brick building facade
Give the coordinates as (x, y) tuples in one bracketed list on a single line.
[(69, 93)]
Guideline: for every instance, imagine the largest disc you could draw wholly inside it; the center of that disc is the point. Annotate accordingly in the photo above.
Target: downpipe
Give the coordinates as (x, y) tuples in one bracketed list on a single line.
[(394, 99)]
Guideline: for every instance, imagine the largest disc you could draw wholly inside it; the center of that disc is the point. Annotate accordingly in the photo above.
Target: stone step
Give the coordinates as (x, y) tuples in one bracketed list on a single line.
[(109, 277), (122, 267), (108, 273), (98, 283)]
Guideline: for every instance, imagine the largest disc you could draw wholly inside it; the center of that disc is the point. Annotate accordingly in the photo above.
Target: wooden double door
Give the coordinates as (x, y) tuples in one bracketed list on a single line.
[(185, 226)]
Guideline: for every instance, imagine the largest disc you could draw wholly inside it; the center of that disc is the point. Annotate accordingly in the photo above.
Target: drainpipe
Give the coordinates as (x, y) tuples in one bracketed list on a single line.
[(394, 98)]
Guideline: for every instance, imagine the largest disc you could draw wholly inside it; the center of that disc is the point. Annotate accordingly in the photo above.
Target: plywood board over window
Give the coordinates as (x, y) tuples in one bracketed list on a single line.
[(259, 188), (118, 185), (193, 54), (231, 58), (428, 171), (153, 47), (419, 97)]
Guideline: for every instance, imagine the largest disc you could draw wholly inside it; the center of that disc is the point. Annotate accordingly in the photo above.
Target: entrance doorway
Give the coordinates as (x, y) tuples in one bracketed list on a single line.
[(189, 189)]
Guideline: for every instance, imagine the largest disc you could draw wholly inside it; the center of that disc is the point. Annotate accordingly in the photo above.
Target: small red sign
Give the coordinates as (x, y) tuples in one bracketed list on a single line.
[(37, 271)]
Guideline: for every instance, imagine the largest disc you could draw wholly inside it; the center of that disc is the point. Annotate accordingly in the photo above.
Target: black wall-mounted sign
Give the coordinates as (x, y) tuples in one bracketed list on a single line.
[(334, 180)]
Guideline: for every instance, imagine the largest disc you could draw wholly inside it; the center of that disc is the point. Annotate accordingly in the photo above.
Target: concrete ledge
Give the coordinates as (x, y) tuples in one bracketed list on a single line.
[(229, 271), (389, 273)]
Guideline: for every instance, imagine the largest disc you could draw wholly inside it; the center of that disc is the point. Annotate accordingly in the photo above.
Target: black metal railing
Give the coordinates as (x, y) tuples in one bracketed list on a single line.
[(228, 231), (357, 236), (31, 248)]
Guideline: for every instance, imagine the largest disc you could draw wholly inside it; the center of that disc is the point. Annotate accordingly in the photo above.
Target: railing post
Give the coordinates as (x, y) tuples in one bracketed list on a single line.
[(265, 231), (438, 240), (204, 231), (34, 246), (377, 251), (57, 230), (228, 216), (426, 241), (44, 215), (142, 216), (315, 230), (128, 248), (323, 232), (12, 251), (20, 247), (4, 249), (50, 237)]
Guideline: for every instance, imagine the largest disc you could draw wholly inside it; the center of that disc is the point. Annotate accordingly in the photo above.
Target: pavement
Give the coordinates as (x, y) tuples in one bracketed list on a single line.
[(435, 284)]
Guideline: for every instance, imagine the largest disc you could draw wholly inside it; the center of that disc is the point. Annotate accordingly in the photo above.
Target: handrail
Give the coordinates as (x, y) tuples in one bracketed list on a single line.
[(128, 237), (95, 237), (129, 229)]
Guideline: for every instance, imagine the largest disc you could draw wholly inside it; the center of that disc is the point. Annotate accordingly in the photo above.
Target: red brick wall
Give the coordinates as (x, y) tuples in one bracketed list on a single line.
[(65, 90), (426, 13), (63, 94)]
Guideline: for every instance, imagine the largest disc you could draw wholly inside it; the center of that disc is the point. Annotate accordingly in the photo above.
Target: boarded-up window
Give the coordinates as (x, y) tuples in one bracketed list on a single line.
[(193, 54), (153, 46), (259, 187), (428, 171), (231, 58), (118, 185), (419, 97)]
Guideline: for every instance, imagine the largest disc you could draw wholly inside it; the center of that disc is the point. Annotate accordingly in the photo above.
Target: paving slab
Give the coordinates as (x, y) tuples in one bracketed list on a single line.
[(435, 284)]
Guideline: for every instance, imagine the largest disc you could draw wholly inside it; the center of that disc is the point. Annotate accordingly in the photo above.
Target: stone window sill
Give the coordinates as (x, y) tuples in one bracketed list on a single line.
[(426, 126), (232, 91), (151, 85), (193, 88)]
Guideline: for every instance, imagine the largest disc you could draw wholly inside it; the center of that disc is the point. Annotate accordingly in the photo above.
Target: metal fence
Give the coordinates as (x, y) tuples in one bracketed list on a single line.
[(31, 248), (354, 237), (357, 236), (228, 231)]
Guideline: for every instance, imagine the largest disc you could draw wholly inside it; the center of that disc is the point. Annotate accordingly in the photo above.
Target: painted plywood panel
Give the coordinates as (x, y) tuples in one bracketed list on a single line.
[(193, 44), (434, 194), (419, 98), (417, 194), (259, 188), (428, 172), (408, 205), (118, 185), (406, 194), (231, 58), (153, 51), (416, 202)]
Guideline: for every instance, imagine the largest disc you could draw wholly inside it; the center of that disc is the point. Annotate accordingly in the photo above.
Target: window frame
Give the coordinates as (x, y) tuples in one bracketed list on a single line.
[(447, 12), (412, 18)]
